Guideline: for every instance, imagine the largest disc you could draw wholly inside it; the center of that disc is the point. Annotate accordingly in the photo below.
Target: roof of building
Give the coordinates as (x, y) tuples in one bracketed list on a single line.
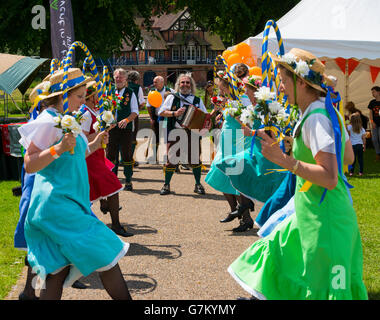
[(153, 40)]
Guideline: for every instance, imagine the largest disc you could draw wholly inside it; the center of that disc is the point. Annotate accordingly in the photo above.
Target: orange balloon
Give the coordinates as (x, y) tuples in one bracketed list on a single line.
[(255, 71), (155, 99), (234, 58), (249, 61), (226, 54), (244, 49)]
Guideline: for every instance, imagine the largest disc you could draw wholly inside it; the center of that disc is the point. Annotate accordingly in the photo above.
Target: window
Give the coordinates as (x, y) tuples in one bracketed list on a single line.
[(175, 53), (204, 53)]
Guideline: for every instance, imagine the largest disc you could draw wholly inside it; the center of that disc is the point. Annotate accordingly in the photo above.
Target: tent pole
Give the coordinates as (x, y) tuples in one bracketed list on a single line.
[(346, 83)]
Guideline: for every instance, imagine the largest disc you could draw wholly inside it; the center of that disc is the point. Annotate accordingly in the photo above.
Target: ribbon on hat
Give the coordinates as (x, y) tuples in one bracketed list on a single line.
[(70, 83), (338, 129), (37, 102)]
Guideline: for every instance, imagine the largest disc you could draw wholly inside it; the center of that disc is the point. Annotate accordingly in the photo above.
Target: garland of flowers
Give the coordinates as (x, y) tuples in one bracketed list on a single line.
[(303, 68)]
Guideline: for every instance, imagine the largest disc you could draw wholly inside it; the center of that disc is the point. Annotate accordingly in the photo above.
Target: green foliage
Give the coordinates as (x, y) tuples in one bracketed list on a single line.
[(100, 24), (235, 21)]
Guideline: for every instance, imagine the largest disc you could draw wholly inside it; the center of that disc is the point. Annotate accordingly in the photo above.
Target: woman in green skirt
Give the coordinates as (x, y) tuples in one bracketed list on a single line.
[(315, 253)]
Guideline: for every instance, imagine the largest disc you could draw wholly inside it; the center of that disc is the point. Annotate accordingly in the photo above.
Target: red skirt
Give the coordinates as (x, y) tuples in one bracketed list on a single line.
[(103, 182)]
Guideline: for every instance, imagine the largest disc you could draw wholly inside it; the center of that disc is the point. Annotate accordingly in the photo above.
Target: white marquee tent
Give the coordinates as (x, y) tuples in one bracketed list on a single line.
[(344, 34)]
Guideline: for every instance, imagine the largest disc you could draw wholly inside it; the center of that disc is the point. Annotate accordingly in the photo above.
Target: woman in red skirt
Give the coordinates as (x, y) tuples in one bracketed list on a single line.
[(104, 184)]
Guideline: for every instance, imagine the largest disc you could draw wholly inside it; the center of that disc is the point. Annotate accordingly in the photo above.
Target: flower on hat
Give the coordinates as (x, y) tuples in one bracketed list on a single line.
[(289, 58), (302, 68)]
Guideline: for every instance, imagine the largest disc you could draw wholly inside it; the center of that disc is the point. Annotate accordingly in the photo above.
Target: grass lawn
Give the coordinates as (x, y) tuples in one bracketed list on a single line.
[(366, 195), (366, 198), (11, 259)]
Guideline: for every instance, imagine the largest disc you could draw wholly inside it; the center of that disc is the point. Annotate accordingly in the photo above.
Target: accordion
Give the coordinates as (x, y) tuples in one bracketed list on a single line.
[(194, 118)]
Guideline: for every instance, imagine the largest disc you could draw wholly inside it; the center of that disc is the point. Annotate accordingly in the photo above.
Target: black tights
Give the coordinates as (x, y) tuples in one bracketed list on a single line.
[(112, 280), (112, 204), (232, 200)]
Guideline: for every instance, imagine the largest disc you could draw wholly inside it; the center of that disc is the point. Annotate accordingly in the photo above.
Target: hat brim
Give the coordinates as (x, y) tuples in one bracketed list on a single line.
[(89, 96), (278, 61)]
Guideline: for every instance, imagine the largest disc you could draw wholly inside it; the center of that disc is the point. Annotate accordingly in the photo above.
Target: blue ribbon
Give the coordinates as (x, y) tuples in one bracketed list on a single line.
[(337, 135), (70, 83)]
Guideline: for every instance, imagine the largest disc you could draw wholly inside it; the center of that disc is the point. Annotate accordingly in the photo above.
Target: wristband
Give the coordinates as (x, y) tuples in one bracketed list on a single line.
[(126, 119), (295, 167), (53, 152)]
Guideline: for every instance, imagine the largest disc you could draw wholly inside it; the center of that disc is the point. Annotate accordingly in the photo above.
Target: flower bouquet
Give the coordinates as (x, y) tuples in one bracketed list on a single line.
[(105, 121), (70, 123), (111, 102), (271, 113)]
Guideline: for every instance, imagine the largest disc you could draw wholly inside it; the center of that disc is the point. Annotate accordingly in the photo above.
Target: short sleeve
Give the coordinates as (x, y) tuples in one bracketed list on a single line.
[(167, 105), (42, 132), (141, 96), (134, 105), (87, 120), (318, 134)]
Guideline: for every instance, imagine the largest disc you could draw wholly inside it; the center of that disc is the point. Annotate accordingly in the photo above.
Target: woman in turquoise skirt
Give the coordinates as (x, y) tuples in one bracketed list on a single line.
[(231, 141), (316, 252), (64, 240), (252, 181)]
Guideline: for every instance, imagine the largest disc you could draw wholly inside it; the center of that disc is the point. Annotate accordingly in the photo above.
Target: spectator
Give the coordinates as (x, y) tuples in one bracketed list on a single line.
[(374, 116), (357, 137), (350, 107)]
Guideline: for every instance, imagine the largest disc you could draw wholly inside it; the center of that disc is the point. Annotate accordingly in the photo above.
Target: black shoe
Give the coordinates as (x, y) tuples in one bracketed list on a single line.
[(244, 225), (199, 189), (229, 218), (165, 189), (122, 232), (79, 285), (136, 164), (128, 186), (23, 297), (177, 169), (105, 210)]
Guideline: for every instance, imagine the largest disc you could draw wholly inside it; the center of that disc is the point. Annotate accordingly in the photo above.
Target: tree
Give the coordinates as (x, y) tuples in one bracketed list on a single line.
[(235, 21), (100, 24)]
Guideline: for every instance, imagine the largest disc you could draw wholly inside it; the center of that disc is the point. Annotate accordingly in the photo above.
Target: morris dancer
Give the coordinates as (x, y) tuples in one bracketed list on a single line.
[(104, 185), (64, 240), (316, 253)]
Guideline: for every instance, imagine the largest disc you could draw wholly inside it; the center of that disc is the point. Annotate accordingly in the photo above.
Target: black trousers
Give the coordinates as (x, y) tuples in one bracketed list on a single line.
[(120, 140), (358, 151)]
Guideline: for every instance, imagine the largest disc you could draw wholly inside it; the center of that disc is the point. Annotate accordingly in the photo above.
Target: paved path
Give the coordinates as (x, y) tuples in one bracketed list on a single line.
[(180, 250)]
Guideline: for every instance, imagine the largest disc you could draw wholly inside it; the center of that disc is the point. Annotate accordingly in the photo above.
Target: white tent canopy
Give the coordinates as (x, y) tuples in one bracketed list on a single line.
[(331, 29)]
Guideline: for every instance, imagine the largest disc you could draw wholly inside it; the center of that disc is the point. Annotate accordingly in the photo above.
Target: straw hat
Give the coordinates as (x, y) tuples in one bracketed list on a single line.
[(91, 89), (254, 82), (306, 66), (75, 79)]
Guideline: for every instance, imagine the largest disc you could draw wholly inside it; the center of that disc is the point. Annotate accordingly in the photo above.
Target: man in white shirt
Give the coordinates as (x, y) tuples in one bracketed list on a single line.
[(173, 107), (133, 84), (159, 85), (121, 137)]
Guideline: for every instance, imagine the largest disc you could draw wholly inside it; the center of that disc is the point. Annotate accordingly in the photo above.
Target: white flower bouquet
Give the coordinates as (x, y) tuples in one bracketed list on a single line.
[(105, 121), (271, 113), (70, 123)]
